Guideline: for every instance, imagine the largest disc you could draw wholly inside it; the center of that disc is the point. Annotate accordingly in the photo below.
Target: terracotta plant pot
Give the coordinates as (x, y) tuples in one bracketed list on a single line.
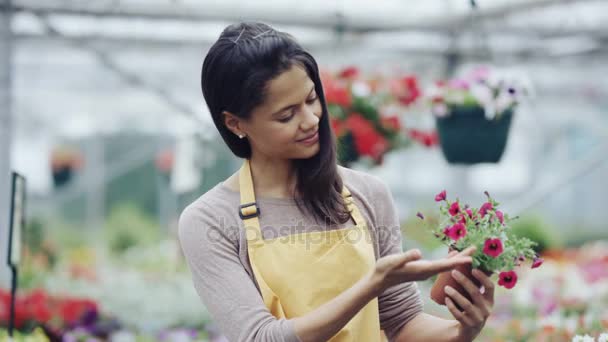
[(437, 291)]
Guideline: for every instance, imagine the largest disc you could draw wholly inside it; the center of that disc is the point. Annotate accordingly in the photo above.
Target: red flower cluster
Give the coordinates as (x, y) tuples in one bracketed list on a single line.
[(368, 141), (428, 139), (492, 240), (38, 307), (406, 89)]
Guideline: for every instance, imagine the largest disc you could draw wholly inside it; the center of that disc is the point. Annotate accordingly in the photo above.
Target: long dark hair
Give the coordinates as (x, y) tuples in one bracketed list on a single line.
[(234, 78)]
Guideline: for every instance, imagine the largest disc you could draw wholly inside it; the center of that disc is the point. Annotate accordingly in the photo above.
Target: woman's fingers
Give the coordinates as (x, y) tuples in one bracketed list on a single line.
[(422, 269), (398, 260), (473, 291), (459, 315), (487, 284), (443, 265), (468, 251), (471, 310), (410, 255)]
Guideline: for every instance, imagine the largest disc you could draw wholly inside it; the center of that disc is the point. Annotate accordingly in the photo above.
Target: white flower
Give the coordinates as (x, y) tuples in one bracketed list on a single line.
[(603, 337), (440, 110), (481, 93), (504, 101), (586, 338), (490, 110), (360, 88)]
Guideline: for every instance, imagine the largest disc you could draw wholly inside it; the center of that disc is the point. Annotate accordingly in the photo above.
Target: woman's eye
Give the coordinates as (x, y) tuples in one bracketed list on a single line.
[(312, 100), (286, 119)]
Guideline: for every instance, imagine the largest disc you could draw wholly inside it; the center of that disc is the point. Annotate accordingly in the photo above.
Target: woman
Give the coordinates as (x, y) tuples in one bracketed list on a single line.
[(293, 247)]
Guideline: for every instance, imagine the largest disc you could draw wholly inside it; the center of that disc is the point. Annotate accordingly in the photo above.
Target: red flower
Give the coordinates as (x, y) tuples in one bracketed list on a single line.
[(38, 303), (406, 89), (349, 72), (507, 279), (424, 138), (368, 141), (454, 209), (72, 310), (335, 94), (500, 216), (391, 123), (484, 209), (456, 232), (338, 126), (470, 213), (165, 160), (537, 262), (440, 196), (493, 247)]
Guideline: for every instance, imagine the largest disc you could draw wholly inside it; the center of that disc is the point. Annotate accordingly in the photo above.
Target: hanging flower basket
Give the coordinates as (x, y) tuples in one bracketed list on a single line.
[(363, 128), (64, 162), (467, 137), (474, 113)]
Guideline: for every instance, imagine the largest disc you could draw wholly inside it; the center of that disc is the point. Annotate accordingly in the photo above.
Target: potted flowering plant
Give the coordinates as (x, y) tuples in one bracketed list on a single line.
[(486, 228), (473, 114), (358, 112)]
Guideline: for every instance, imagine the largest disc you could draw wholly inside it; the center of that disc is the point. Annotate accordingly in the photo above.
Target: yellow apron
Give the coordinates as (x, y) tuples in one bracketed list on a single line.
[(298, 273)]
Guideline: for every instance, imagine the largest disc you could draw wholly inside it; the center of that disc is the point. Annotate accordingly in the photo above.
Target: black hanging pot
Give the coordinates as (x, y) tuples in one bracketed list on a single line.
[(467, 137), (62, 175)]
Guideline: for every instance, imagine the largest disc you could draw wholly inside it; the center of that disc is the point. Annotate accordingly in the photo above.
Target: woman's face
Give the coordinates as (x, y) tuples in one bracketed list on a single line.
[(285, 126)]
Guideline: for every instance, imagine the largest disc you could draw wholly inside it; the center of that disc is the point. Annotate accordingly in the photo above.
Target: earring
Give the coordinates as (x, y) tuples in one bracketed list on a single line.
[(241, 136)]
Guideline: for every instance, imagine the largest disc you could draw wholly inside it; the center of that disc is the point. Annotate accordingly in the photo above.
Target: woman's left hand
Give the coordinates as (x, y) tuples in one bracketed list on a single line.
[(474, 314)]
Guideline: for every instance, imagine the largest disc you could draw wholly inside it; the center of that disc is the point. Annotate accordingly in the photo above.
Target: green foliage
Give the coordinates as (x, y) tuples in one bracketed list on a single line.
[(534, 228), (33, 235), (37, 335), (128, 226)]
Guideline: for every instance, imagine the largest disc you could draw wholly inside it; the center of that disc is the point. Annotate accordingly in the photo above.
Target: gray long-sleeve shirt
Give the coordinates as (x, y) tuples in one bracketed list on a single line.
[(213, 240)]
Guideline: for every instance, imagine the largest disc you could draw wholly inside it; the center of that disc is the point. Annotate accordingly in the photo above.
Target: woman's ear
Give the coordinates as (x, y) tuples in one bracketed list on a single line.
[(233, 123)]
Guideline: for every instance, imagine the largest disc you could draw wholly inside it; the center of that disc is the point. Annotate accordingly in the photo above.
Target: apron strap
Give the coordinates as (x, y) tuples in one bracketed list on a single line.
[(249, 211), (352, 208)]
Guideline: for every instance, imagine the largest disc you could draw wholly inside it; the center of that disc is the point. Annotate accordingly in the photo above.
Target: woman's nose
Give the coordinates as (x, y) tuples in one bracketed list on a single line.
[(311, 120)]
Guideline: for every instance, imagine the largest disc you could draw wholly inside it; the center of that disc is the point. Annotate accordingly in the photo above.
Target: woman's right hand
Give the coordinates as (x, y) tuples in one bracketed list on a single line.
[(408, 266)]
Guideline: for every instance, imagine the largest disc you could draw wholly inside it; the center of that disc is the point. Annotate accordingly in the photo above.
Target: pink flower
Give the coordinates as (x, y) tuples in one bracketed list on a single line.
[(484, 209), (493, 247), (420, 215), (463, 219), (501, 216), (507, 279), (454, 209), (469, 213), (441, 196), (456, 232), (537, 262)]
